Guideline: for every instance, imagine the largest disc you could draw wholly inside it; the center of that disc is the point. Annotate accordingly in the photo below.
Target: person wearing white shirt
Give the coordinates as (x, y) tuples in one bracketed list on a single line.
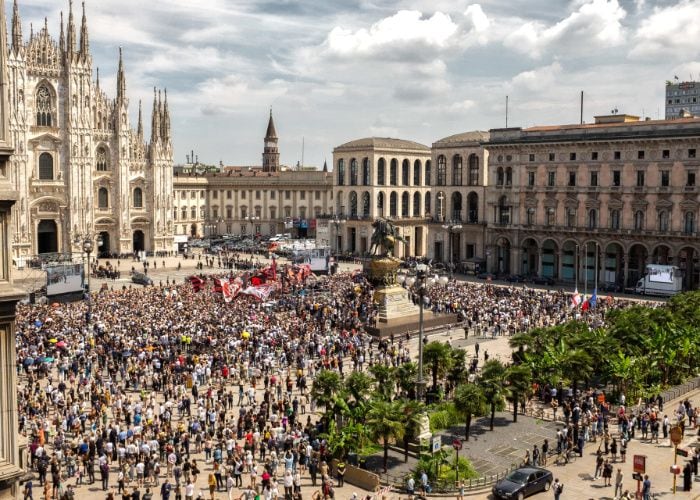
[(189, 491)]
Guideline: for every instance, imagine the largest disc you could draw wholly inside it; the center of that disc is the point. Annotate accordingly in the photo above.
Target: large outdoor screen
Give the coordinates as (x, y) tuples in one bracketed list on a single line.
[(64, 278), (661, 275)]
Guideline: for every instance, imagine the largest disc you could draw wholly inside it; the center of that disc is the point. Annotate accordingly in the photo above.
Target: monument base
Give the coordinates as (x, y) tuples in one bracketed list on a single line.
[(393, 303), (410, 324)]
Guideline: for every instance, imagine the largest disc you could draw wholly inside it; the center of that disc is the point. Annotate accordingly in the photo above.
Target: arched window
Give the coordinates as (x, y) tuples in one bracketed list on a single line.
[(365, 204), (103, 198), (381, 172), (353, 172), (663, 221), (473, 170), (428, 171), (442, 171), (509, 176), (365, 172), (393, 204), (500, 177), (440, 208), (592, 218), (174, 213), (417, 167), (457, 206), (138, 198), (46, 167), (416, 204), (393, 172), (102, 165), (503, 211), (615, 219), (457, 170), (353, 204), (689, 223), (380, 204), (405, 204), (193, 212), (473, 207), (44, 107), (405, 173), (341, 172), (638, 220), (427, 204), (184, 213)]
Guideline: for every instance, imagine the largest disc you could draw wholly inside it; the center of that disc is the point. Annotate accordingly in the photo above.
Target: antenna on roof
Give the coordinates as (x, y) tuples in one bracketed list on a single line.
[(506, 111), (582, 107)]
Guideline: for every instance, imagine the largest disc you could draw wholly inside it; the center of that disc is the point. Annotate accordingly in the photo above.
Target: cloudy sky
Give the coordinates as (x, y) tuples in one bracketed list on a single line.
[(337, 70)]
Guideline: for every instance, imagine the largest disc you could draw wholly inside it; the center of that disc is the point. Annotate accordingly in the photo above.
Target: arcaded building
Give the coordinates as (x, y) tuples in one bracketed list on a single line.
[(622, 187), (382, 177)]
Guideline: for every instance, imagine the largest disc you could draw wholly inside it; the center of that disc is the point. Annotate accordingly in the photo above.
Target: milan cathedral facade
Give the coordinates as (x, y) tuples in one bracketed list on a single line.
[(80, 169)]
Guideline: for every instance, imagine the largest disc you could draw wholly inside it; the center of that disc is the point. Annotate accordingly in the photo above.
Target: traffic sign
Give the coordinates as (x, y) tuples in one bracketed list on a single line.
[(676, 435), (675, 469), (457, 444), (436, 444), (681, 453), (637, 476), (639, 464)]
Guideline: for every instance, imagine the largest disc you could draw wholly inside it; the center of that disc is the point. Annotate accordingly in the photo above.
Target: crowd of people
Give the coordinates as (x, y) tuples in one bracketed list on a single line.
[(132, 386)]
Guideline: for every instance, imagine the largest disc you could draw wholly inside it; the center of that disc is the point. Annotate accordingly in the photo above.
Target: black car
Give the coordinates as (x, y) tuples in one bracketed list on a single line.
[(515, 278), (522, 483), (141, 279), (543, 280)]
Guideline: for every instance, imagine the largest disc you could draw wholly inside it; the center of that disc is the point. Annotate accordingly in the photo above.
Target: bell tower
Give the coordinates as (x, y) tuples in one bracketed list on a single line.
[(271, 154)]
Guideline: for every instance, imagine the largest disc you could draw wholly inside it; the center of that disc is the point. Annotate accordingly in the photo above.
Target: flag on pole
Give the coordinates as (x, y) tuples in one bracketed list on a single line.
[(594, 298), (575, 299), (585, 305), (226, 290)]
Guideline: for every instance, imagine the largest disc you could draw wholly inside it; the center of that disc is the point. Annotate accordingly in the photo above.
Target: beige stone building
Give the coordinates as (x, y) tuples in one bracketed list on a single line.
[(255, 200), (381, 177), (458, 186), (625, 187)]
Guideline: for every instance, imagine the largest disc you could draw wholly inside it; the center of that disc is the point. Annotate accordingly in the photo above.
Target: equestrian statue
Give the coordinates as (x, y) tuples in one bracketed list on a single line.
[(384, 237)]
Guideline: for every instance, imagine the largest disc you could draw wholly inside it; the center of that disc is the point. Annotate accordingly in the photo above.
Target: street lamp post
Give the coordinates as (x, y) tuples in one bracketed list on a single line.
[(452, 227), (252, 219), (422, 284), (86, 241), (337, 222)]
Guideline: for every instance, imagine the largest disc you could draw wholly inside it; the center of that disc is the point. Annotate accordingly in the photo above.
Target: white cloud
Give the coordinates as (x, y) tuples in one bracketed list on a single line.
[(405, 28), (670, 31), (596, 22), (537, 79)]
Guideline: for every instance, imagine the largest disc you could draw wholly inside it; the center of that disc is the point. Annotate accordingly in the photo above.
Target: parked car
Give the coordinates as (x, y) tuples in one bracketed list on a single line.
[(522, 483), (486, 276), (141, 279), (515, 278), (543, 280)]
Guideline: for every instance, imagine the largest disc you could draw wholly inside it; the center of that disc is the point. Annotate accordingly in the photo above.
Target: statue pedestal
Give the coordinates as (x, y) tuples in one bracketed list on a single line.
[(394, 303)]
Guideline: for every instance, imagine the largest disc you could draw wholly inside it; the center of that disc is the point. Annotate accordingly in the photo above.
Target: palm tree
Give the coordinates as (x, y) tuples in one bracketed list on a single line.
[(519, 381), (406, 377), (385, 421), (413, 411), (326, 386), (470, 402), (384, 380), (458, 372), (492, 378), (358, 385), (438, 356)]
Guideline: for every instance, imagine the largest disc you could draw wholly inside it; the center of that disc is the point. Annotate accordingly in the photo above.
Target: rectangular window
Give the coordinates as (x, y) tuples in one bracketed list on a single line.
[(572, 178), (531, 178), (551, 179), (317, 195), (470, 251), (691, 179), (640, 155), (532, 157), (551, 156), (215, 194), (665, 176), (287, 195), (594, 179), (640, 178), (691, 153), (302, 195), (572, 156), (243, 194), (257, 194), (616, 178), (215, 212), (617, 155), (666, 154), (228, 194), (594, 155), (273, 194), (229, 213)]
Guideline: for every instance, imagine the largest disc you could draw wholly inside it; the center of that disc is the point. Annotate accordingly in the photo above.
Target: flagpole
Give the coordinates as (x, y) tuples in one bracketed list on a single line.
[(585, 270), (596, 266), (576, 266)]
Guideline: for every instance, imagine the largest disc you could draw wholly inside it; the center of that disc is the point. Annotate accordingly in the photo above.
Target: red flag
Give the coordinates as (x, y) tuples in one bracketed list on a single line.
[(274, 269), (226, 290), (585, 306)]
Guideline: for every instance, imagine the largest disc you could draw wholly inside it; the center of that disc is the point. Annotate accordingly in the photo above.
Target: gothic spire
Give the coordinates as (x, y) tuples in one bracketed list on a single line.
[(84, 41), (121, 79), (97, 81), (155, 118), (325, 166), (271, 132), (71, 29), (16, 28), (62, 37), (139, 128), (165, 134)]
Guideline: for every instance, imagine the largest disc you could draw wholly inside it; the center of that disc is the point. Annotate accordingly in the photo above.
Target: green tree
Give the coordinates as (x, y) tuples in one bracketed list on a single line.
[(438, 356), (412, 411), (359, 386), (458, 372), (385, 421), (492, 378), (518, 379), (384, 380), (406, 375), (325, 388), (470, 402)]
